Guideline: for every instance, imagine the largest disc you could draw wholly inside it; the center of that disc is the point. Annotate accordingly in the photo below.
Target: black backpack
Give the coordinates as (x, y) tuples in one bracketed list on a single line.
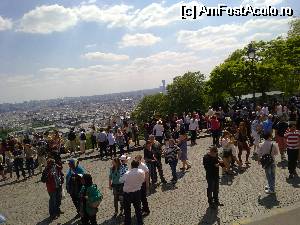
[(267, 159)]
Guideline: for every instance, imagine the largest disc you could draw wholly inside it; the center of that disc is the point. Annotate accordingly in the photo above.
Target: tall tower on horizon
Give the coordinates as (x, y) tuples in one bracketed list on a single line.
[(163, 87)]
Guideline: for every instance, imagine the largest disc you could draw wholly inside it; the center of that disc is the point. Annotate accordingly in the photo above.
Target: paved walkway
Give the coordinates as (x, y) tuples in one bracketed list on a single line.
[(26, 202)]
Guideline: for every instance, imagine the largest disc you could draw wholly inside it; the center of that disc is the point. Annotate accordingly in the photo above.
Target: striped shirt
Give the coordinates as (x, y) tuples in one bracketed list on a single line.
[(292, 139)]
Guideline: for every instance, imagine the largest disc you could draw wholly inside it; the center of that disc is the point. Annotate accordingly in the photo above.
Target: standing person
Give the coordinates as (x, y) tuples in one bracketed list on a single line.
[(2, 167), (145, 186), (215, 130), (158, 131), (54, 178), (292, 137), (90, 198), (194, 126), (280, 129), (112, 143), (211, 164), (115, 185), (120, 140), (42, 149), (268, 125), (187, 120), (82, 141), (9, 161), (133, 181), (157, 151), (150, 161), (182, 144), (171, 154), (135, 134), (19, 155), (102, 143), (93, 137), (268, 148), (72, 141), (73, 182), (242, 138), (255, 133), (30, 153)]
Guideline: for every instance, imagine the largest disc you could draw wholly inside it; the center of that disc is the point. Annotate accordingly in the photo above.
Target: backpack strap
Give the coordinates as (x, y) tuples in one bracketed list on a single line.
[(271, 148)]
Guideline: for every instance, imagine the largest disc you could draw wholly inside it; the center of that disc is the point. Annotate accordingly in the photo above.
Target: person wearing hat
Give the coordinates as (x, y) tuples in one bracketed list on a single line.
[(73, 181), (54, 178), (124, 167)]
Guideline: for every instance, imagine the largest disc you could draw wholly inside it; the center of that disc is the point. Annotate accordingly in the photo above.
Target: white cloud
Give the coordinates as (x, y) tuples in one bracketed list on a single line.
[(55, 18), (115, 16), (138, 39), (157, 14), (261, 3), (5, 24), (140, 73), (105, 56), (231, 36), (47, 19)]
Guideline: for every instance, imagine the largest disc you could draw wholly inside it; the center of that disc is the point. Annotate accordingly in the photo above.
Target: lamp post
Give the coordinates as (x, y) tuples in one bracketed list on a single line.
[(251, 53)]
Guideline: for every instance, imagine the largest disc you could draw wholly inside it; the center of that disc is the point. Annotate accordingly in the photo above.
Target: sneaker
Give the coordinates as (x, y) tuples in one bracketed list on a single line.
[(269, 192), (291, 176), (266, 187), (219, 204)]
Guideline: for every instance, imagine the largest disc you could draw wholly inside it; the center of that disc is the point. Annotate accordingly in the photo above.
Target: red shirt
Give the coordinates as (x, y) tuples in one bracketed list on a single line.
[(215, 124)]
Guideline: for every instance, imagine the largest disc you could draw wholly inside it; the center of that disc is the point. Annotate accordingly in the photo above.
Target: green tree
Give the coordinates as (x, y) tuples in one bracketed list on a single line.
[(150, 106), (186, 93)]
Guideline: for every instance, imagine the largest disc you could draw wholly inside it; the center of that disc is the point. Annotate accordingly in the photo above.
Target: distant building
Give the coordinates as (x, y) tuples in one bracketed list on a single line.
[(163, 86)]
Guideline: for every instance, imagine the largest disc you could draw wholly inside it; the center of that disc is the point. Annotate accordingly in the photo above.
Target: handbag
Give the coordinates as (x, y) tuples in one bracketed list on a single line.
[(267, 159)]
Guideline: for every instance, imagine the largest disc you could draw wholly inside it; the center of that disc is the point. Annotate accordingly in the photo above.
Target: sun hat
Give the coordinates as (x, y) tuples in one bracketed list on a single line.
[(124, 157)]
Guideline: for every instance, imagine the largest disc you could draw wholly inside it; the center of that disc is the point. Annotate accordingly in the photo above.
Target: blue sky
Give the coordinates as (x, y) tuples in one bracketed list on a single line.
[(53, 49)]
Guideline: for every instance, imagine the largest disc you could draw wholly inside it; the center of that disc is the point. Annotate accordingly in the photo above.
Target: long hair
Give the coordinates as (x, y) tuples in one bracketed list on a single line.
[(117, 164)]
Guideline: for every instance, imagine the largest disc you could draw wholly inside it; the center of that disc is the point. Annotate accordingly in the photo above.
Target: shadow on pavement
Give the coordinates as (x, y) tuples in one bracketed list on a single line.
[(13, 182), (210, 217), (269, 201), (295, 182), (168, 187)]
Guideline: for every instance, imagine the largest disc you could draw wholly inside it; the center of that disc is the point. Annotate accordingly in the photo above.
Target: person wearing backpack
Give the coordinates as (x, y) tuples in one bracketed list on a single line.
[(73, 182), (90, 198), (266, 153)]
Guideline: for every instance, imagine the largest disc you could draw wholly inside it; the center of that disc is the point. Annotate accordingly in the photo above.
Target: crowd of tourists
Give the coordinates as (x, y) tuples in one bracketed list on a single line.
[(234, 132)]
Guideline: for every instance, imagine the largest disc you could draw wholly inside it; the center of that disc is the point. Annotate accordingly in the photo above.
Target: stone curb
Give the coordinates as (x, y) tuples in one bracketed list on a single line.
[(273, 212)]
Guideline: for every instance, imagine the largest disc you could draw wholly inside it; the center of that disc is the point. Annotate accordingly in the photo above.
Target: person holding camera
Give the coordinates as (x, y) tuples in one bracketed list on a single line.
[(266, 154), (211, 164)]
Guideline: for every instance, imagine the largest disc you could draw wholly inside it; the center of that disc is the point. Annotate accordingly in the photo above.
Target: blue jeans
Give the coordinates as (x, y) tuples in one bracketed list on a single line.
[(152, 171), (173, 165), (270, 174), (55, 201)]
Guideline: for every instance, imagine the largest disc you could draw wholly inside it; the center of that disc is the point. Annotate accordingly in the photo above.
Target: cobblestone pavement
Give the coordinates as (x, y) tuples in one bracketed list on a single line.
[(26, 202)]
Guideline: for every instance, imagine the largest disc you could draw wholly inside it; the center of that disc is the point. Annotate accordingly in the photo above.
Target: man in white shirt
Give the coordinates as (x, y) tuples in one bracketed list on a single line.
[(145, 186), (158, 131), (194, 126), (269, 147), (133, 181)]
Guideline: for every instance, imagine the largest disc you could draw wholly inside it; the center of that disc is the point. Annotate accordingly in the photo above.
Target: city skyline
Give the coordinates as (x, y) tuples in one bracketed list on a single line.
[(77, 48)]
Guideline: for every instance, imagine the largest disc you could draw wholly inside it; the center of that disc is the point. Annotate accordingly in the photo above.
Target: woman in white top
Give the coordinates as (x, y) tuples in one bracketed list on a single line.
[(112, 143), (229, 151)]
